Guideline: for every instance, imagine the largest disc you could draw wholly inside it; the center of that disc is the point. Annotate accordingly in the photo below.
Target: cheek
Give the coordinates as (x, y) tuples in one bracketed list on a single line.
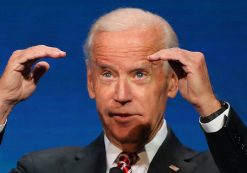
[(104, 93), (153, 100), (153, 92), (102, 89)]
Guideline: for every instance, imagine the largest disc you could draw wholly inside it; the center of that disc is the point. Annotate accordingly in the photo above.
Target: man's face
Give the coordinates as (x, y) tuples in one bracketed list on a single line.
[(130, 91)]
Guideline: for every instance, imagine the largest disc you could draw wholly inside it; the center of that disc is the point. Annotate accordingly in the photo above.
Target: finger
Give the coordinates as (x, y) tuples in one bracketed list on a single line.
[(178, 68), (37, 52), (173, 54), (175, 58), (39, 70), (189, 61), (26, 69)]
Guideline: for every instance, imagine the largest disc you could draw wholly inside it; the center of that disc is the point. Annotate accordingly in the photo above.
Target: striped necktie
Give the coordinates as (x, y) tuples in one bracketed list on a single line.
[(125, 160)]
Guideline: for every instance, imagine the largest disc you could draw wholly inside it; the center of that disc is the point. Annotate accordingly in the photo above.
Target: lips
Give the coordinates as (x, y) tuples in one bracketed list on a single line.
[(121, 114), (124, 117)]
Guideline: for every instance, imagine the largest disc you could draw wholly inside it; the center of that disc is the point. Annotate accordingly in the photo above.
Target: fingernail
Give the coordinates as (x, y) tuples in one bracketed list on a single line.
[(61, 52), (152, 57)]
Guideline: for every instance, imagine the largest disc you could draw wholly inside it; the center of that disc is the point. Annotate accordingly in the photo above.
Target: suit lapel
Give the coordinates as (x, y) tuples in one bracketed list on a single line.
[(172, 155), (91, 159)]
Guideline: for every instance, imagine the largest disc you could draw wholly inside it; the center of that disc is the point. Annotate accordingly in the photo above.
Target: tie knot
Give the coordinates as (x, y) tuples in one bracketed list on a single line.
[(124, 162), (127, 159)]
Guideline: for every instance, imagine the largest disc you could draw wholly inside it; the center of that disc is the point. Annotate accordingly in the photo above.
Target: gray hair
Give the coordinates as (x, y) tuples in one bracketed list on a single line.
[(126, 18)]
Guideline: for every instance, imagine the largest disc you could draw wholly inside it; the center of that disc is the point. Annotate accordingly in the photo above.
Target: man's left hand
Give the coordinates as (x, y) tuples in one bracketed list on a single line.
[(194, 84)]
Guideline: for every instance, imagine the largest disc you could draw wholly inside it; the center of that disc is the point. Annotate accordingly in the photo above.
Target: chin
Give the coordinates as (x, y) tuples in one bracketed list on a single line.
[(131, 135)]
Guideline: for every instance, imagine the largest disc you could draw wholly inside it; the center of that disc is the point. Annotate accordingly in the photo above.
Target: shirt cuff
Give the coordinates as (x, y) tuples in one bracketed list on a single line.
[(2, 126), (217, 123)]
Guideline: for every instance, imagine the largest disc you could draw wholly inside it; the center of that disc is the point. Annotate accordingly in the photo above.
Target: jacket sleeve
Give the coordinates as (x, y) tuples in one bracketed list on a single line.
[(229, 145), (24, 165)]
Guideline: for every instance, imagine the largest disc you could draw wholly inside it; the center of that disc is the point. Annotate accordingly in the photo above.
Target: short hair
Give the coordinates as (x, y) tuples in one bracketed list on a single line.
[(126, 18)]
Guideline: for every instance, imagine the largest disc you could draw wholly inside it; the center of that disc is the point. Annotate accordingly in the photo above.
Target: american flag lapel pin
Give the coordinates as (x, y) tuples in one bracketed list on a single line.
[(174, 168)]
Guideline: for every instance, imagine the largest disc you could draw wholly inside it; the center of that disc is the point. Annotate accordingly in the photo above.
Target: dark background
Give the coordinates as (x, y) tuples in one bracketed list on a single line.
[(60, 112)]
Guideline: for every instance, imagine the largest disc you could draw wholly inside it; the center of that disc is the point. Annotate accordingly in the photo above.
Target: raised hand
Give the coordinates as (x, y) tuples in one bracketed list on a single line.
[(194, 83), (21, 75)]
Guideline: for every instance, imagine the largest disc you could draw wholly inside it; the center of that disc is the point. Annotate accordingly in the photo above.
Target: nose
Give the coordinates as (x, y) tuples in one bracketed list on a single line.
[(122, 93)]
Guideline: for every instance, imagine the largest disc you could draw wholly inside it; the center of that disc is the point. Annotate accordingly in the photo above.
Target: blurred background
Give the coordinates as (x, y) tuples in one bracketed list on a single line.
[(60, 112)]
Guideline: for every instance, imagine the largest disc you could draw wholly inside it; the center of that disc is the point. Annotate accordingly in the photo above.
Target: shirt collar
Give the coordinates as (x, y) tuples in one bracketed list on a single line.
[(150, 149)]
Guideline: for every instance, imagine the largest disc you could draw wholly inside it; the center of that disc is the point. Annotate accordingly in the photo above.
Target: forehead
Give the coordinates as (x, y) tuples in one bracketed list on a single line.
[(128, 47), (132, 36)]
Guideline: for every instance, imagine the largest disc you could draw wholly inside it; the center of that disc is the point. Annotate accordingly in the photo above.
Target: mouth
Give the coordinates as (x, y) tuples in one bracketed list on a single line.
[(120, 114), (122, 117)]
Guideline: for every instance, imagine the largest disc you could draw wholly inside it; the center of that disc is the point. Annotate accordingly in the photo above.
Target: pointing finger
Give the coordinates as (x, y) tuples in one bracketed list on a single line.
[(36, 52)]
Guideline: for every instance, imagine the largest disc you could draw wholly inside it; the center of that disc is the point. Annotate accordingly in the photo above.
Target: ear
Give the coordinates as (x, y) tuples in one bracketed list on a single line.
[(90, 86), (172, 85)]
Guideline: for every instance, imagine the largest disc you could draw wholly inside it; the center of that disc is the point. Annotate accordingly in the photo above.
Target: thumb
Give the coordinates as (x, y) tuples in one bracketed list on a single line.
[(39, 70)]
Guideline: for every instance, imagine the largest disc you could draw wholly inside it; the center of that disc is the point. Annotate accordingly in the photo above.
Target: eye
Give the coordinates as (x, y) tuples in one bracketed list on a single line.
[(139, 74), (107, 74)]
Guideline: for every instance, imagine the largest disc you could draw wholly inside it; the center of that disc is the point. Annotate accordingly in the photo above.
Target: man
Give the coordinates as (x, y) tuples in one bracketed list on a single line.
[(129, 54)]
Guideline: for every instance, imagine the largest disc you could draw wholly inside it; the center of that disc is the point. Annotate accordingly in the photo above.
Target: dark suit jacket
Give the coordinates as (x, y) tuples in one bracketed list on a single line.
[(92, 159), (229, 145)]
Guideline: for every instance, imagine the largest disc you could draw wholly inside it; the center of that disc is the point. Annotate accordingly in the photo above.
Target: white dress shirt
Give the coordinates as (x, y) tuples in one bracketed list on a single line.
[(217, 123), (146, 156), (2, 126)]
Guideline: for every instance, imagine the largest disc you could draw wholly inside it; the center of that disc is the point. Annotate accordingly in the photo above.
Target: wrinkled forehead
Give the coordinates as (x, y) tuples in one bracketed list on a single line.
[(134, 39), (131, 44), (130, 64)]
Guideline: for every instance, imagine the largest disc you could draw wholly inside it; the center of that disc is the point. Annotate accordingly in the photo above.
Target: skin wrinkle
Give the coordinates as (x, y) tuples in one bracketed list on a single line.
[(130, 50), (156, 38)]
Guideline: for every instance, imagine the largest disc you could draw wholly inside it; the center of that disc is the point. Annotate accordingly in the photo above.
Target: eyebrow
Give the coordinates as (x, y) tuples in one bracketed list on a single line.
[(103, 65), (138, 66)]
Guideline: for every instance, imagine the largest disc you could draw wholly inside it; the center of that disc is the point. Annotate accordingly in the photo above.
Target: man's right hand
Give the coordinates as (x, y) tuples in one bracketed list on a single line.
[(21, 75)]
